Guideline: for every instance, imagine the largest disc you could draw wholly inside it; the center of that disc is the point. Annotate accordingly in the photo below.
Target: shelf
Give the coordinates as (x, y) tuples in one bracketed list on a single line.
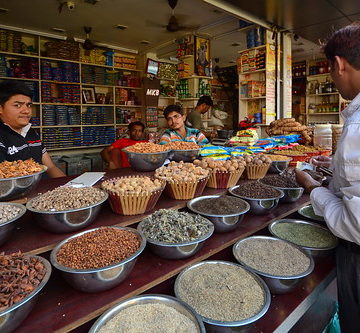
[(58, 126), (323, 113), (97, 125), (97, 65), (58, 59), (166, 79), (122, 125), (77, 147), (318, 75), (16, 78), (89, 104), (324, 94), (70, 104), (19, 54), (220, 100), (250, 98), (248, 27), (61, 82), (196, 77), (252, 72), (167, 97), (253, 48), (129, 106), (124, 87), (189, 99), (128, 69)]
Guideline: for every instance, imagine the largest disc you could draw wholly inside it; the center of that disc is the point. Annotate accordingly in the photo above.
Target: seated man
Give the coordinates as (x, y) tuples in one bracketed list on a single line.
[(177, 130), (113, 154)]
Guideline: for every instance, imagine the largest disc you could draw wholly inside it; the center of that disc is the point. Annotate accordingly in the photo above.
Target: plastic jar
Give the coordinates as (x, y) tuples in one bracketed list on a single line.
[(323, 136)]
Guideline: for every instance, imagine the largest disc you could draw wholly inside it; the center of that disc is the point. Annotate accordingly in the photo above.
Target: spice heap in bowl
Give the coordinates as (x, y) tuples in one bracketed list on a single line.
[(23, 277), (133, 195), (281, 264), (183, 151), (98, 259), (175, 235), (296, 156), (146, 156), (225, 212), (278, 162), (224, 294), (313, 238), (223, 174), (9, 214), (256, 166), (261, 198), (184, 181), (67, 209)]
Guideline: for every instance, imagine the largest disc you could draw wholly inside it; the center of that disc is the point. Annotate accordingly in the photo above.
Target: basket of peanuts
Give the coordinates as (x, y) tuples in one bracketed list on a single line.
[(223, 174), (257, 166), (184, 181), (133, 195)]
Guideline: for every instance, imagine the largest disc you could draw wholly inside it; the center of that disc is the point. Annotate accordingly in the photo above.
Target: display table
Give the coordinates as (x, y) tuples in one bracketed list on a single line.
[(61, 308)]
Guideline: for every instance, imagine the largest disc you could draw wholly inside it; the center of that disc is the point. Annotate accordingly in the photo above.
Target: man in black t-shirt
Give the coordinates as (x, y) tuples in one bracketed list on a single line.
[(18, 141)]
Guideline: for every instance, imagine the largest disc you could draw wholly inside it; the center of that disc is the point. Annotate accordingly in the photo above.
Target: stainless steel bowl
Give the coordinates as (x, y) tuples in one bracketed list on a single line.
[(222, 223), (308, 212), (66, 220), (278, 166), (17, 187), (225, 134), (316, 252), (176, 250), (276, 283), (7, 227), (170, 301), (227, 326), (185, 155), (259, 206), (291, 194), (146, 161), (97, 279), (12, 317)]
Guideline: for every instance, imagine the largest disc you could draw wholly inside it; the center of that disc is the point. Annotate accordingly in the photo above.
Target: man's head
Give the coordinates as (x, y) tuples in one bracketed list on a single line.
[(136, 130), (15, 104), (174, 116), (204, 104), (342, 49)]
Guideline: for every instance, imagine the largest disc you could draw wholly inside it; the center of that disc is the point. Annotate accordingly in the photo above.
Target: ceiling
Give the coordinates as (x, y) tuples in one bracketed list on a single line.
[(146, 20)]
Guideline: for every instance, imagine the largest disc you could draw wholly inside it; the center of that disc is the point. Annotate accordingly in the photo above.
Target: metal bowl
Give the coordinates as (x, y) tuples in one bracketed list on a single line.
[(7, 227), (97, 279), (225, 134), (291, 194), (17, 187), (308, 212), (278, 166), (170, 301), (222, 223), (276, 283), (185, 155), (66, 220), (176, 250), (146, 161), (316, 252), (12, 317), (228, 326), (259, 206)]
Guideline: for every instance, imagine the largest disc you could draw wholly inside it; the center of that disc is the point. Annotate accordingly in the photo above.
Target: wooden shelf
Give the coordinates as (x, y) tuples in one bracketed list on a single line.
[(318, 75), (89, 104), (70, 104), (124, 87), (58, 126), (58, 59), (127, 69), (129, 106), (16, 78), (253, 48), (324, 94), (323, 113), (76, 147), (196, 77), (19, 54), (97, 125), (253, 72), (251, 98), (61, 82), (168, 97), (189, 99)]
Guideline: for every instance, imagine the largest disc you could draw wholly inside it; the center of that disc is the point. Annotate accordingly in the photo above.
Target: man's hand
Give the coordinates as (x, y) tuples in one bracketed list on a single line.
[(321, 161), (306, 181)]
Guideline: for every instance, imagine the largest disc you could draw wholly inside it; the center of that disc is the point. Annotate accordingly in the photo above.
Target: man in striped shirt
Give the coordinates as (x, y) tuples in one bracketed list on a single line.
[(177, 130)]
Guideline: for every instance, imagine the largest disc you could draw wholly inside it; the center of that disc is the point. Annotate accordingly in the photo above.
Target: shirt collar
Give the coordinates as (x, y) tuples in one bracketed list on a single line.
[(24, 130), (352, 107)]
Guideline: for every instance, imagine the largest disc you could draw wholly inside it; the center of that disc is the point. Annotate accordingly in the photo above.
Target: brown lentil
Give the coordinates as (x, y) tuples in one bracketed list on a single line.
[(99, 248), (8, 212), (280, 181), (274, 257), (155, 317), (221, 292), (256, 190), (223, 205)]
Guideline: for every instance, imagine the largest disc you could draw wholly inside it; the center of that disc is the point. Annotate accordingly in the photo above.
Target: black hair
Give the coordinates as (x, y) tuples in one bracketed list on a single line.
[(344, 43), (136, 123), (171, 108), (205, 100), (11, 88)]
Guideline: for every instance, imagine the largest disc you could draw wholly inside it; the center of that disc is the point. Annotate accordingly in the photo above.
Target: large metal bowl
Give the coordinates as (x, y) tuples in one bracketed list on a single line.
[(17, 187), (97, 279), (228, 326), (185, 155), (308, 212), (259, 206), (222, 223), (146, 161), (12, 317), (291, 194), (176, 250), (66, 220), (316, 252), (278, 166), (225, 134), (276, 283), (170, 301), (7, 227)]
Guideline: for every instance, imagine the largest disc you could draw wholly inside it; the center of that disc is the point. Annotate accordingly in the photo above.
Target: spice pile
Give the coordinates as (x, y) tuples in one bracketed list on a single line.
[(290, 152), (19, 168), (8, 212), (156, 317), (223, 205), (65, 198), (272, 256), (305, 149), (304, 234), (280, 181), (20, 275), (221, 166), (99, 248), (171, 226), (132, 185), (182, 145), (181, 172), (221, 292), (256, 190), (147, 147), (278, 157)]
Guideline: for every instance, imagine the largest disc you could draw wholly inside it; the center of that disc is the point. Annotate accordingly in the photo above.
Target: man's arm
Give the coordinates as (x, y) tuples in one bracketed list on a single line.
[(53, 171), (165, 139), (105, 153), (201, 139)]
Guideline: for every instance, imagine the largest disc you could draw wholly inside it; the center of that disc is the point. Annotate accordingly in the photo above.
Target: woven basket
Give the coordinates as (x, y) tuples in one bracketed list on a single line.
[(224, 179)]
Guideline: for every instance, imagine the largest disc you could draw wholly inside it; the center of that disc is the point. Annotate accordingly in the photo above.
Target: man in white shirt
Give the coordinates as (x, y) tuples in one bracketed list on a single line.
[(340, 203)]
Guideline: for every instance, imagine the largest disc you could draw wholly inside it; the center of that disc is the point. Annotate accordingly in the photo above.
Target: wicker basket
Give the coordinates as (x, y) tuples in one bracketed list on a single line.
[(220, 179), (256, 171), (185, 190)]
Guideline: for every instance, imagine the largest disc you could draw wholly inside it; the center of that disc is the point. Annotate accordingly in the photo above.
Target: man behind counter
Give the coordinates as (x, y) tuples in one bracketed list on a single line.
[(194, 117), (18, 141), (177, 130)]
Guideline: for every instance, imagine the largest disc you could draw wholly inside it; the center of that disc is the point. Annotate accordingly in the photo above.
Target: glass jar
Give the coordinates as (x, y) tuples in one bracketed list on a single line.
[(323, 136)]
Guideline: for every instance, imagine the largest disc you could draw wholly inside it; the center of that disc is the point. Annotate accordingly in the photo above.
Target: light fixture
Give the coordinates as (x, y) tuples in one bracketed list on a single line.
[(121, 27), (145, 42), (58, 30), (235, 44), (4, 10)]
